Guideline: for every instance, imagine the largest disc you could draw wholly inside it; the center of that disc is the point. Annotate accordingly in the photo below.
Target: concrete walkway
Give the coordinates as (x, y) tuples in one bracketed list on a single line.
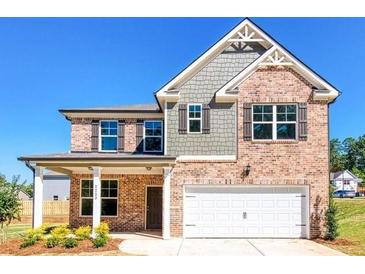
[(152, 245)]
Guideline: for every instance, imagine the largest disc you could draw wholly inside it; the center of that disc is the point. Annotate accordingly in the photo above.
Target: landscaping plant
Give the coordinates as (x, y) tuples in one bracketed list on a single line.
[(331, 221), (31, 237), (83, 232), (101, 235), (52, 242), (60, 232), (70, 242)]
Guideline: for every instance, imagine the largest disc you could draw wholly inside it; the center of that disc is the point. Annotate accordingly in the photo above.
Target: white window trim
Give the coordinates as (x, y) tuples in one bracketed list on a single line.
[(196, 119), (100, 136), (117, 198), (274, 122), (161, 136)]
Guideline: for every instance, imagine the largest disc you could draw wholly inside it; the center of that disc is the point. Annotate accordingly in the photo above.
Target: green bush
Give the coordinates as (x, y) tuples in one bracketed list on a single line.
[(70, 243), (102, 229), (31, 237), (100, 241), (83, 232), (52, 242), (47, 228), (60, 232)]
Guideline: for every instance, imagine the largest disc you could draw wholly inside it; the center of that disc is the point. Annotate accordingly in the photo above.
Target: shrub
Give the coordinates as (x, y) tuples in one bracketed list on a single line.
[(70, 243), (100, 241), (47, 228), (31, 237), (52, 242), (60, 232), (331, 224), (83, 232), (102, 230)]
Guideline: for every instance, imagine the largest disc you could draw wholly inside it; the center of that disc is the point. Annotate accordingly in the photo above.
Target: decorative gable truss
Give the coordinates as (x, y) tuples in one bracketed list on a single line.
[(247, 32)]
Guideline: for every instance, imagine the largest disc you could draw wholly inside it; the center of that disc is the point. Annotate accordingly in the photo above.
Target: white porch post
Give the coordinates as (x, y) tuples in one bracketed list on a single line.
[(38, 197), (166, 203), (96, 197)]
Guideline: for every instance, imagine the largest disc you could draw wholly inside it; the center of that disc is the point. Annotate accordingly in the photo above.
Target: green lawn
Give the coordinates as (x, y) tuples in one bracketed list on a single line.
[(351, 221), (15, 230)]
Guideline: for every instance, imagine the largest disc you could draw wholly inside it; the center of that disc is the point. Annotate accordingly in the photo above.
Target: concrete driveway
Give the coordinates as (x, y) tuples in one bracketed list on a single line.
[(154, 246)]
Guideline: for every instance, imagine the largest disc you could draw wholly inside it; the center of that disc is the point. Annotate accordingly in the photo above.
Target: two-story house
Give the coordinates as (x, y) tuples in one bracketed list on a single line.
[(236, 146)]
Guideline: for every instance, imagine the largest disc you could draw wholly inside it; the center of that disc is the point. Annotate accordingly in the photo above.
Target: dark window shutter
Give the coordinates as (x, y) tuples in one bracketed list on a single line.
[(121, 134), (94, 135), (247, 122), (182, 119), (206, 119), (302, 122), (139, 136)]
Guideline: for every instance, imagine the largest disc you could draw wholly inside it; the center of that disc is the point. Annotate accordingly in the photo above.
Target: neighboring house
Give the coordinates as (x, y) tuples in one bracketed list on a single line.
[(56, 186), (345, 180), (236, 146), (23, 196)]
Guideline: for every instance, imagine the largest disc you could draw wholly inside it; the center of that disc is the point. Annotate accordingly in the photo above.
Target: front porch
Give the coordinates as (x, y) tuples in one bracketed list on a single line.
[(130, 192)]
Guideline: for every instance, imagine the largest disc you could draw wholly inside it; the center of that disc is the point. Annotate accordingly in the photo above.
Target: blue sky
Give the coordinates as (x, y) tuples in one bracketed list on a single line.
[(47, 64)]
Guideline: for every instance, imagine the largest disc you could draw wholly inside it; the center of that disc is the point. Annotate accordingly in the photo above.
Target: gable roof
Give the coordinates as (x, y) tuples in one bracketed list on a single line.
[(247, 32), (339, 174)]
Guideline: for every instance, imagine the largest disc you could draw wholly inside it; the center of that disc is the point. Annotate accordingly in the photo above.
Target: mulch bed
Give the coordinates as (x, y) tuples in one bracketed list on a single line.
[(12, 247), (338, 242)]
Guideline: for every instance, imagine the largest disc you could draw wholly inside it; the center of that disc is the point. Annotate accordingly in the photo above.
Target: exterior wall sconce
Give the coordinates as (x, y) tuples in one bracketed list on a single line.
[(148, 168), (247, 170)]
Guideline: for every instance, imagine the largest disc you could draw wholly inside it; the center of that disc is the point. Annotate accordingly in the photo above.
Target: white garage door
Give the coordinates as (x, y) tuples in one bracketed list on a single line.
[(245, 211)]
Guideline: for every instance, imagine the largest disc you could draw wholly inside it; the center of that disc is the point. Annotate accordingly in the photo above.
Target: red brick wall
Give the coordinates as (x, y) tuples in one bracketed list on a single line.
[(131, 201), (293, 162), (81, 134)]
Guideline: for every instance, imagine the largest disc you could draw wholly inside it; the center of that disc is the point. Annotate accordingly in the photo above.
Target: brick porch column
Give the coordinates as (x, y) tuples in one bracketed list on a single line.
[(96, 197), (166, 203), (38, 197)]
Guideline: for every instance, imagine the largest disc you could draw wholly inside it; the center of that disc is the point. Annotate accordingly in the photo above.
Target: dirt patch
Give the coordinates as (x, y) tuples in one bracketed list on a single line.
[(85, 247)]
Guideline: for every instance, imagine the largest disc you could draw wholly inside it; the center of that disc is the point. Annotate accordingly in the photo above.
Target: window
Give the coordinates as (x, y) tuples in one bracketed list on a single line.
[(346, 182), (109, 198), (55, 197), (108, 135), (274, 122), (86, 197), (195, 118), (152, 136)]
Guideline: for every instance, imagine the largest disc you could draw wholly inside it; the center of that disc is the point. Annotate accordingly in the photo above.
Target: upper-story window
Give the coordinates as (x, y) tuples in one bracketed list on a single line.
[(274, 122), (108, 135), (195, 118), (152, 136)]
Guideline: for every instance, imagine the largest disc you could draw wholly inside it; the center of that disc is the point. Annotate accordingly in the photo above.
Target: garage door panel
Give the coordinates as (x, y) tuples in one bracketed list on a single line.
[(245, 212)]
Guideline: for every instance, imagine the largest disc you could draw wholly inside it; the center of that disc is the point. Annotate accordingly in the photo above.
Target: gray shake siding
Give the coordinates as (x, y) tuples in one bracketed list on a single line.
[(201, 89)]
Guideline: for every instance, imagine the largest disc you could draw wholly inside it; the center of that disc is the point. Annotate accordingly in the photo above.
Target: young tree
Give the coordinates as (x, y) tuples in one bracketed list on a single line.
[(10, 205), (331, 221)]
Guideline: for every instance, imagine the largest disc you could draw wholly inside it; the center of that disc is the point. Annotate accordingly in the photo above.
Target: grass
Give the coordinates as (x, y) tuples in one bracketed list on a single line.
[(15, 230), (351, 221)]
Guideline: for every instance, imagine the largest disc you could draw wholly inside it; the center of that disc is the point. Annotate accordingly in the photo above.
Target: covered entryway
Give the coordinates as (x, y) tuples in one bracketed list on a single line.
[(246, 211)]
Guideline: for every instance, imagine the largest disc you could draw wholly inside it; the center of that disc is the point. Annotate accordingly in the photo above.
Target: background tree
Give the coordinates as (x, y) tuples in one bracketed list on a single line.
[(10, 205), (337, 159)]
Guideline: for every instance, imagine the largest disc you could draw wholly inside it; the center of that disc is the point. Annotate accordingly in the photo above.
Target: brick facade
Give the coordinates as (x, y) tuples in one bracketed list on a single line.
[(131, 201), (81, 135), (272, 163)]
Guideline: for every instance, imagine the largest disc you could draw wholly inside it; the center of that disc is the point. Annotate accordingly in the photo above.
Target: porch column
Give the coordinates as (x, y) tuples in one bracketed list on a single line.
[(96, 197), (166, 203), (38, 197)]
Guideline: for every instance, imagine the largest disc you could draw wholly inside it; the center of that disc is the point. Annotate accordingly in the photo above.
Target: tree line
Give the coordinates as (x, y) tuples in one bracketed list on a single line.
[(348, 154)]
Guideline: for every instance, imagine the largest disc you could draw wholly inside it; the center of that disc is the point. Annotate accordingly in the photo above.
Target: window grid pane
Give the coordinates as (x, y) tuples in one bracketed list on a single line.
[(195, 118)]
